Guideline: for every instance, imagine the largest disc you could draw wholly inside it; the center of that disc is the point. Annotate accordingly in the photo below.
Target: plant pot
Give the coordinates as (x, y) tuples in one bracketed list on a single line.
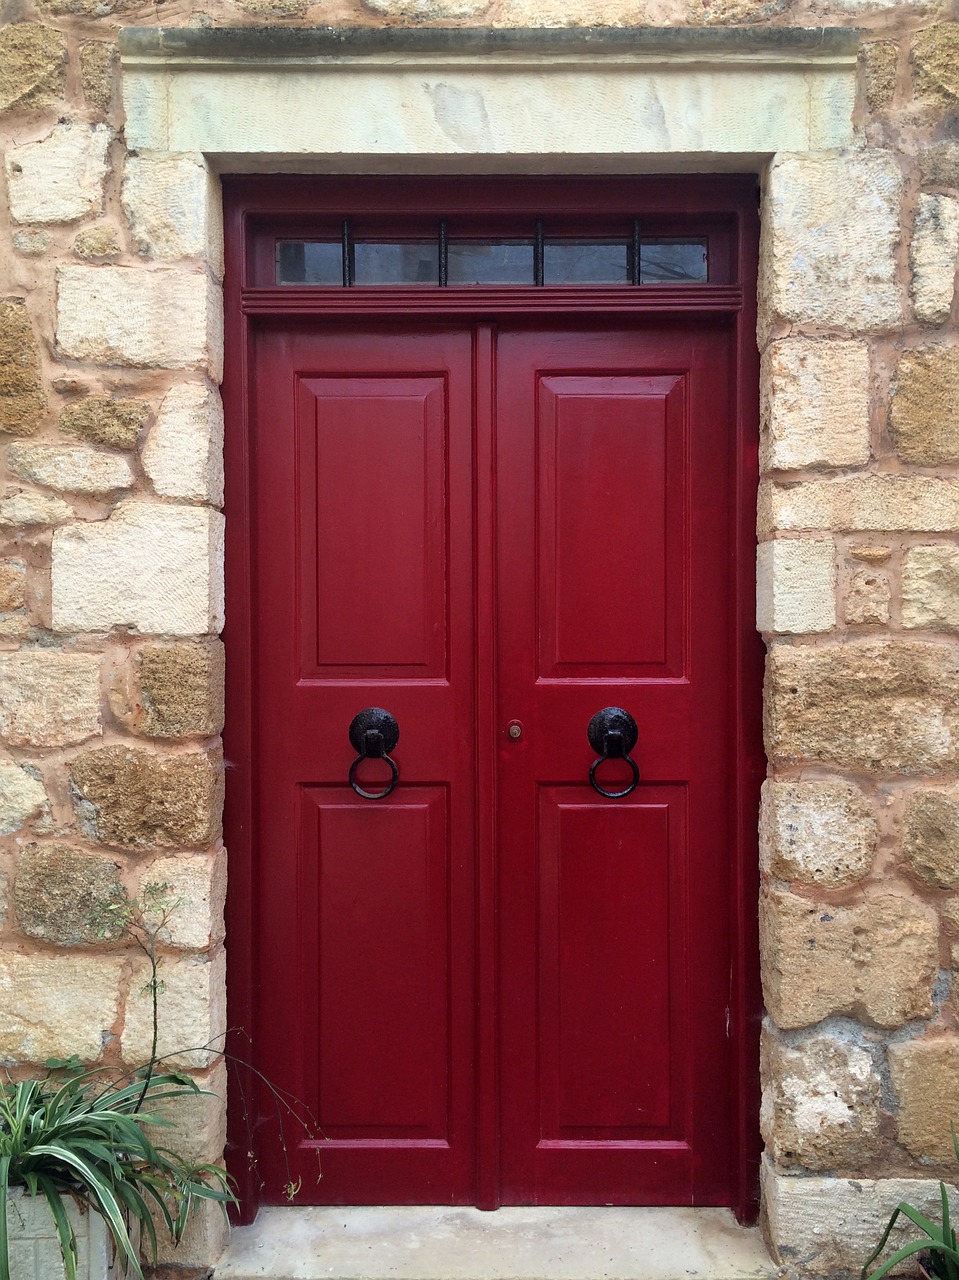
[(35, 1249)]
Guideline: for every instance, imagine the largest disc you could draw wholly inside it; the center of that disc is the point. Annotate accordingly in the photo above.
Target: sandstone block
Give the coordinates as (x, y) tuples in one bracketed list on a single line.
[(932, 257), (97, 62), (25, 509), (867, 598), (831, 225), (196, 886), (33, 243), (821, 1102), (163, 318), (101, 420), (57, 1006), (60, 178), (427, 10), (94, 243), (192, 1012), (172, 203), (71, 467), (879, 503), (822, 833), (136, 799), (734, 11), (815, 404), (197, 1124), (181, 689), (12, 579), (21, 401), (21, 796), (49, 698), (183, 454), (63, 895), (157, 569), (796, 586), (876, 962), (930, 837), (205, 1237), (930, 588), (32, 65), (873, 705), (939, 164), (935, 61), (879, 60), (828, 1226), (925, 406), (925, 1075)]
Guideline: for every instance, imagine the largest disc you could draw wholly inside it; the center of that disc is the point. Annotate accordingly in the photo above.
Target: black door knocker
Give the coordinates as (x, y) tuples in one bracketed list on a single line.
[(374, 733), (613, 733)]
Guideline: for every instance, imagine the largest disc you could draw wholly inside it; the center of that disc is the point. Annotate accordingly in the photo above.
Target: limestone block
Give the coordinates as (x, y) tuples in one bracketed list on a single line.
[(181, 689), (935, 61), (796, 585), (880, 503), (197, 890), (21, 796), (925, 1075), (734, 11), (57, 1006), (12, 579), (49, 698), (136, 799), (879, 59), (930, 837), (21, 401), (60, 178), (930, 588), (867, 598), (192, 1011), (932, 257), (96, 243), (25, 509), (73, 468), (575, 13), (103, 420), (163, 318), (173, 206), (830, 228), (876, 962), (183, 454), (33, 243), (821, 1102), (939, 164), (892, 707), (266, 9), (156, 569), (97, 62), (925, 406), (205, 1238), (197, 1129), (32, 65), (815, 404), (427, 10), (829, 1226), (822, 833), (63, 894)]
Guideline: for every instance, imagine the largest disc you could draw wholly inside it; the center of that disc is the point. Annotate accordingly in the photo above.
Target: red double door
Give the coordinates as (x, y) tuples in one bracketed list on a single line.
[(496, 985)]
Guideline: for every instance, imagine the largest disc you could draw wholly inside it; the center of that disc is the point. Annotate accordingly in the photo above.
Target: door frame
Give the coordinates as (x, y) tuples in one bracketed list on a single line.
[(248, 199)]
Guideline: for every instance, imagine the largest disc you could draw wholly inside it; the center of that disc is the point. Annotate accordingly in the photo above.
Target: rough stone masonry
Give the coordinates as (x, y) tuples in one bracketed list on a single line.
[(111, 673)]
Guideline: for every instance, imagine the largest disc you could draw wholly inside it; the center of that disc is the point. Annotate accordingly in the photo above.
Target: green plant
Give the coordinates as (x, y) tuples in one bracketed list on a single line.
[(938, 1239)]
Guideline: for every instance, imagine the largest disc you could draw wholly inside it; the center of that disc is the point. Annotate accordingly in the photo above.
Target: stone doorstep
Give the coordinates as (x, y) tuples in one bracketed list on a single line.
[(440, 1243)]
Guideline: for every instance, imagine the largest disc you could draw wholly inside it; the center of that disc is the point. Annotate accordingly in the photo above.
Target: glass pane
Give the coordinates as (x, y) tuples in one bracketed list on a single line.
[(585, 262), (473, 262), (665, 261), (394, 263), (309, 262)]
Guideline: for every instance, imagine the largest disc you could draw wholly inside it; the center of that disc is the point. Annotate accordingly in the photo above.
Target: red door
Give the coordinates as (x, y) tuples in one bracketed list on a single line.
[(496, 984)]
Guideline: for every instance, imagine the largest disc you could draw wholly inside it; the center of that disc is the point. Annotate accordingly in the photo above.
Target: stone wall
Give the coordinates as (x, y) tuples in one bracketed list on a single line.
[(111, 676)]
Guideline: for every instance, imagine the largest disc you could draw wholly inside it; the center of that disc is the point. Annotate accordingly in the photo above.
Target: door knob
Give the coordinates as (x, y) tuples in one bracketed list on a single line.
[(374, 733), (612, 732)]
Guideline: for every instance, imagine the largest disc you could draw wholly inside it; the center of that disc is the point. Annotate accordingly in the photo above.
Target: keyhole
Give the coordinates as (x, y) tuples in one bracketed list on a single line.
[(514, 729)]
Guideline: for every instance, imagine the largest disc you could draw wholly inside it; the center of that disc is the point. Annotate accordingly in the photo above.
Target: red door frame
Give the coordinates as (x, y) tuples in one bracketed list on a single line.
[(256, 202)]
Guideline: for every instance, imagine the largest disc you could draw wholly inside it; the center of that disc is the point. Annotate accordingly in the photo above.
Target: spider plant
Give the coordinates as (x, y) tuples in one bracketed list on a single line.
[(938, 1239), (74, 1134)]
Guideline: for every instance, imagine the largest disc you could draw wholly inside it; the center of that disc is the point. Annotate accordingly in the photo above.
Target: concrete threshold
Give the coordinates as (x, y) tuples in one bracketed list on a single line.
[(439, 1243)]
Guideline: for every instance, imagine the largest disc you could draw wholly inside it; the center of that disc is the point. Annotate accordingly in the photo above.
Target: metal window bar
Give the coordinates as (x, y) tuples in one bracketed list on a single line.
[(443, 255), (539, 255), (636, 261), (347, 255)]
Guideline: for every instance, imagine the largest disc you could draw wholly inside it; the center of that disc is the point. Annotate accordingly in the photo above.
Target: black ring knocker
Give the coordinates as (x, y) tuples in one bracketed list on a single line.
[(613, 733), (374, 733)]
